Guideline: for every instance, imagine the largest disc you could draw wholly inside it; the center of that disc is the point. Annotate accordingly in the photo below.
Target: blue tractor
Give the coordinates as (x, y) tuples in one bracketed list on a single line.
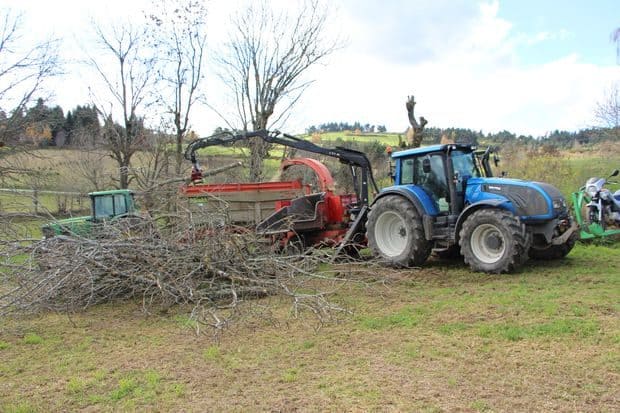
[(445, 199)]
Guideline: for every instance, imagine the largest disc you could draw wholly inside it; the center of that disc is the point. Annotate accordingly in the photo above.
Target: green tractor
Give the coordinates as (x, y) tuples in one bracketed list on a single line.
[(106, 207), (597, 209)]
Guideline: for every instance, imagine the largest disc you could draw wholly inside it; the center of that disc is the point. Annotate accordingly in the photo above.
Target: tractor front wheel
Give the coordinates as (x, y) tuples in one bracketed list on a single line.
[(395, 232), (493, 241)]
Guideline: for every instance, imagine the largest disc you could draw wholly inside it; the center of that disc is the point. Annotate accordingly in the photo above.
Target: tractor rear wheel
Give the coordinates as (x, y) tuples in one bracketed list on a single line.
[(395, 232), (494, 241)]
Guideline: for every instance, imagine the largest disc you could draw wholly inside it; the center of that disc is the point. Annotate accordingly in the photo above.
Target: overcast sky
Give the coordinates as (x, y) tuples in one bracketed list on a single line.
[(528, 66)]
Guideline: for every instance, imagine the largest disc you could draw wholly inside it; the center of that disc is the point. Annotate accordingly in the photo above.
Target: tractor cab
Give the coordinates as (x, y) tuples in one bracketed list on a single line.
[(105, 206), (442, 172), (112, 204)]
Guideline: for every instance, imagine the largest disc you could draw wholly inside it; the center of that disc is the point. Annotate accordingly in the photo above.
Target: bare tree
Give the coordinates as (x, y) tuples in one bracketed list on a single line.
[(153, 161), (126, 73), (23, 71), (178, 31), (265, 62), (415, 132), (607, 111)]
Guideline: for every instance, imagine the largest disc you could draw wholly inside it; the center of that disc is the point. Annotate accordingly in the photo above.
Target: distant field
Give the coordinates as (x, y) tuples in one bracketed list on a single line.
[(434, 339), (41, 203), (66, 169), (384, 138)]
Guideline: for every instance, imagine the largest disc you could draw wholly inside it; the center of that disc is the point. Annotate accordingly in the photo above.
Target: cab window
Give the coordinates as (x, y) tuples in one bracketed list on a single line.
[(104, 206), (433, 182), (120, 206), (406, 175), (464, 165), (110, 206)]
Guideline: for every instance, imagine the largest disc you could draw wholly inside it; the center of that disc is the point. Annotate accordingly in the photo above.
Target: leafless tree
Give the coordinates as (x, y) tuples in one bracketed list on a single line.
[(126, 73), (415, 132), (23, 69), (154, 160), (265, 63), (607, 111), (178, 33)]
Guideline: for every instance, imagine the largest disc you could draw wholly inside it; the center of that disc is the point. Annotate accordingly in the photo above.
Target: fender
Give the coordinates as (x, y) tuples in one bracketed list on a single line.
[(416, 195), (487, 203)]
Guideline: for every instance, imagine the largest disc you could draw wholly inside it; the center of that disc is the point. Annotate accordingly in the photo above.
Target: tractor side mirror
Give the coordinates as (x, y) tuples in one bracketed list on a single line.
[(391, 171), (496, 160), (426, 165), (615, 173)]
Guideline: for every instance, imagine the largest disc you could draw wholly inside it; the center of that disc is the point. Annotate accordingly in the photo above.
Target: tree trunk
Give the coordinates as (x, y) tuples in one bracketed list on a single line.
[(415, 134), (179, 153), (258, 152), (124, 174)]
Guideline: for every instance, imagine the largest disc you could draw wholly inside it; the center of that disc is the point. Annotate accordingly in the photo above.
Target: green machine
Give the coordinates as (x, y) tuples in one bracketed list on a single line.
[(106, 206), (597, 209)]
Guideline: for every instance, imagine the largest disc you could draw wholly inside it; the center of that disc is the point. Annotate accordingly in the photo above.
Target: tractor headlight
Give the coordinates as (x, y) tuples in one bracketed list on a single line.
[(559, 203), (591, 190)]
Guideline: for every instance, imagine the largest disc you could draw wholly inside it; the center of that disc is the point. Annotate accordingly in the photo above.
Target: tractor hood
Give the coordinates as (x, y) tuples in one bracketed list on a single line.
[(528, 199), (76, 225)]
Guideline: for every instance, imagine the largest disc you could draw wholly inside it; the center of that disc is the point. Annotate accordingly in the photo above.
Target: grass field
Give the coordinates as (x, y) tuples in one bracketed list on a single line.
[(434, 339)]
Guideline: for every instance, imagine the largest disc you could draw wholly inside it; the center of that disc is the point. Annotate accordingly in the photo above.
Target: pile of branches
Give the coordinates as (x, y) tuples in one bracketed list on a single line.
[(184, 260)]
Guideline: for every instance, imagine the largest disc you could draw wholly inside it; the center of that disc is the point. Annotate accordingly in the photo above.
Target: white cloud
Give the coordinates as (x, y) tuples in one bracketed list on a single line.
[(477, 82), (462, 61)]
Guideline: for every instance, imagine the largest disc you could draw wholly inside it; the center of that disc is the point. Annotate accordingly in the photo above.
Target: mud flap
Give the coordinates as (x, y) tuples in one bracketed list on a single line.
[(354, 229)]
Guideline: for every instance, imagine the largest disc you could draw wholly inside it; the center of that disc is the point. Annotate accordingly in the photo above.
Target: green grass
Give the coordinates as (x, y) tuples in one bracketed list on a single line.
[(211, 353), (290, 375), (406, 317), (552, 329), (45, 203), (32, 338), (419, 340), (22, 407), (390, 139)]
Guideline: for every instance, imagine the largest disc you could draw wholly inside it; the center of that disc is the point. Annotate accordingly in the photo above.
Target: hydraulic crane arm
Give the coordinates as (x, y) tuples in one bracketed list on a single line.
[(349, 157)]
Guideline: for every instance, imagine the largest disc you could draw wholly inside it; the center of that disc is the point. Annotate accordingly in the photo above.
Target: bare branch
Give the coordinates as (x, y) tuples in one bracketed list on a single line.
[(178, 34), (194, 261), (23, 71), (266, 61), (126, 70), (607, 112)]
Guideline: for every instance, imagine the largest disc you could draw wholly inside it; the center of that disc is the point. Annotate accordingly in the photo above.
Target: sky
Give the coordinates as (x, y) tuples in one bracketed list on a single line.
[(527, 66)]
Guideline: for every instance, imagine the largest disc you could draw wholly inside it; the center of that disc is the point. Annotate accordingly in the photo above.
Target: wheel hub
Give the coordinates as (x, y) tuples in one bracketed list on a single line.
[(494, 242), (391, 234), (488, 243)]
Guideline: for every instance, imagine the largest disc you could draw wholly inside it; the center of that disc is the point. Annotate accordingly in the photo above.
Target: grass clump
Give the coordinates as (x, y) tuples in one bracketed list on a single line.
[(32, 338), (211, 353), (407, 317), (581, 328)]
